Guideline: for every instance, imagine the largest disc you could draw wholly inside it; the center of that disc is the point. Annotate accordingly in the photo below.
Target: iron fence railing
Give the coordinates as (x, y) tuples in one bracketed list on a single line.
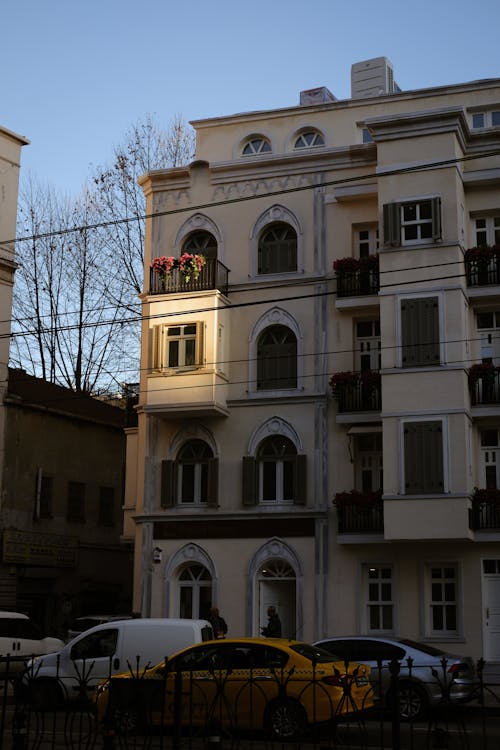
[(359, 519), (483, 272), (213, 275), (206, 712), (357, 283)]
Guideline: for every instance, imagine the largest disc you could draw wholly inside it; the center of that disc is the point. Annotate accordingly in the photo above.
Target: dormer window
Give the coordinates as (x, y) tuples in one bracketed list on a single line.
[(255, 146), (309, 139)]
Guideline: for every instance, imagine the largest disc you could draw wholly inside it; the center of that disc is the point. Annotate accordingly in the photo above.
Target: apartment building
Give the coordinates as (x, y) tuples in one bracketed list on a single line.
[(319, 404)]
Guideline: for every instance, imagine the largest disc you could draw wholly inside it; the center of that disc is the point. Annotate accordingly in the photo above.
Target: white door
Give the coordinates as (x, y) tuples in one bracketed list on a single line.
[(491, 617)]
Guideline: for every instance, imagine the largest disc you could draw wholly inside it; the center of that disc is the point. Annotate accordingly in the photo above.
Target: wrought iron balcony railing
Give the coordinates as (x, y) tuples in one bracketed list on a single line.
[(357, 277), (485, 512), (365, 515), (213, 275), (484, 384), (357, 391)]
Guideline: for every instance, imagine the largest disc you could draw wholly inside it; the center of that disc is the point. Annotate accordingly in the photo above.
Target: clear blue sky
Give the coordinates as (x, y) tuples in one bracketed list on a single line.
[(76, 74)]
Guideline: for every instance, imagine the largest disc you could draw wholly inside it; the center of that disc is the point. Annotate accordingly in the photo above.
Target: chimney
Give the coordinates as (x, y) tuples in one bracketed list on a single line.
[(320, 95)]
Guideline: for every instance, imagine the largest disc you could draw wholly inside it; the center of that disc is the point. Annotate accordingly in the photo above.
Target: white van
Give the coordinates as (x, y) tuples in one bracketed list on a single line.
[(20, 638), (105, 650)]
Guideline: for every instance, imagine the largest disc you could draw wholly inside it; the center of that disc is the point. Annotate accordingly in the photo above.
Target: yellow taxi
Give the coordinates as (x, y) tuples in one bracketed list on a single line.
[(272, 684)]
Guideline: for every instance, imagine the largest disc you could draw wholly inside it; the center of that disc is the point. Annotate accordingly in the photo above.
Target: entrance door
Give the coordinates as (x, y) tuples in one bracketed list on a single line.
[(277, 587), (491, 610)]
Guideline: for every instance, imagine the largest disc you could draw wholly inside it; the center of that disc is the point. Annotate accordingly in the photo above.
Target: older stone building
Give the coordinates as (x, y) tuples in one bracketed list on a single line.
[(320, 396)]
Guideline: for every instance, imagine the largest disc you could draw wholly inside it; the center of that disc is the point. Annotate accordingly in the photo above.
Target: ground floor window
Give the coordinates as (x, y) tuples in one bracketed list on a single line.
[(379, 598), (195, 592), (441, 593)]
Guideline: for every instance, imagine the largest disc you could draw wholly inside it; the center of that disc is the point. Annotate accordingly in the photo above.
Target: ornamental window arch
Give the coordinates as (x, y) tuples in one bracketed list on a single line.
[(200, 234)]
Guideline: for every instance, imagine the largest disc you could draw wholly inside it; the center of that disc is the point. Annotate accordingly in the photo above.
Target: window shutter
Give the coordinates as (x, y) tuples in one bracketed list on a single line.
[(392, 224), (213, 483), (436, 219), (156, 358), (300, 489), (199, 343), (423, 459), (420, 332), (249, 494), (167, 484)]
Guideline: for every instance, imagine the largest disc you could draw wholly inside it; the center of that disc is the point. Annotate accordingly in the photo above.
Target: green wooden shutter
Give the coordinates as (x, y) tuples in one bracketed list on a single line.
[(420, 332), (213, 483), (199, 344), (300, 488), (392, 224), (436, 219), (249, 493), (167, 484), (423, 458)]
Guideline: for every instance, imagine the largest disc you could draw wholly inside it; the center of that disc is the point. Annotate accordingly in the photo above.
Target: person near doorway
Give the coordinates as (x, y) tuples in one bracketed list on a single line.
[(273, 627), (218, 623)]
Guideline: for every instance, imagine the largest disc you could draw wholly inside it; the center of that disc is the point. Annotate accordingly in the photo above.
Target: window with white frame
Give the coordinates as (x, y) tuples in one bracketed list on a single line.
[(420, 342), (367, 351), (178, 347), (489, 459), (255, 146), (486, 119), (368, 462), (276, 474), (423, 457), (412, 222), (441, 595), (488, 326), (192, 478), (366, 136), (487, 230), (379, 598), (366, 240), (308, 139)]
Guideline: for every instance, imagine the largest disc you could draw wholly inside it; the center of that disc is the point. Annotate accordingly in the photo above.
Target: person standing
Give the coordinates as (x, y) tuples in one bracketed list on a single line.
[(218, 623), (273, 627)]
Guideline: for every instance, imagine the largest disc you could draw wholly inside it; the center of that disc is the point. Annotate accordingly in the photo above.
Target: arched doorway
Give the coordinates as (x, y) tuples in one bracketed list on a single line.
[(276, 586), (195, 591)]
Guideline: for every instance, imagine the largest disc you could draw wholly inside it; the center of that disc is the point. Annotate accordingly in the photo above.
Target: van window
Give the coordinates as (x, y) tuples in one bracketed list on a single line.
[(96, 645), (19, 627)]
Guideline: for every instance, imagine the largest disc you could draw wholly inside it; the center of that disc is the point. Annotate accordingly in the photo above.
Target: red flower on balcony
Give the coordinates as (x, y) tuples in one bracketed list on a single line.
[(483, 371), (358, 499), (486, 496), (342, 379), (482, 253), (356, 264)]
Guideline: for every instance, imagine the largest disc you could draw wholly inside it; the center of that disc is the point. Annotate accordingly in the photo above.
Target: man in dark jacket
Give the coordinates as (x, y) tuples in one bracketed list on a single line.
[(273, 627)]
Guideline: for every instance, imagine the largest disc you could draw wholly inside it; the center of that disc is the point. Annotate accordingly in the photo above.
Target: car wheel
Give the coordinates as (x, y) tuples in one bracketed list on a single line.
[(413, 702), (46, 695), (286, 720)]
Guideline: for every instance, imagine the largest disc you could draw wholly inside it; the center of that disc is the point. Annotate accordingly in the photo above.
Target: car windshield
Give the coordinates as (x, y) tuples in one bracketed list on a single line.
[(313, 653), (429, 650)]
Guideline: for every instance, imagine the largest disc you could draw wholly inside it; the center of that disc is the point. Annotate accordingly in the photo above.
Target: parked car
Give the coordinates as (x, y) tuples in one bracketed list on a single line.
[(21, 638), (274, 684), (81, 624), (432, 676), (107, 649)]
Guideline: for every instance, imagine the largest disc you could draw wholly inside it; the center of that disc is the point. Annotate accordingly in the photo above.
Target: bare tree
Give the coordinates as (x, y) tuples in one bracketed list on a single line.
[(76, 314)]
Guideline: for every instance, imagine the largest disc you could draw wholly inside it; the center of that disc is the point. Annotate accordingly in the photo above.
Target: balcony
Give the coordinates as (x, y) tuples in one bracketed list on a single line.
[(484, 384), (485, 511), (213, 275), (359, 512), (357, 277), (482, 266), (357, 391)]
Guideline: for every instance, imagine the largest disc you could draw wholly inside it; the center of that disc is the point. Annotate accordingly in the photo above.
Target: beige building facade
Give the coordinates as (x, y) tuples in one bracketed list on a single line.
[(319, 406)]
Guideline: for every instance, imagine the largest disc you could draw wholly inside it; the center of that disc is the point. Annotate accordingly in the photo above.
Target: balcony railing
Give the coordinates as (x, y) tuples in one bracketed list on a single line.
[(484, 384), (359, 513), (357, 277), (485, 511), (357, 391), (482, 266), (213, 275)]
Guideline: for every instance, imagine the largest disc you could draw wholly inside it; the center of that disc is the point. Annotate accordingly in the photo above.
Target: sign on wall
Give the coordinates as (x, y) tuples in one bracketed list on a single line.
[(53, 550)]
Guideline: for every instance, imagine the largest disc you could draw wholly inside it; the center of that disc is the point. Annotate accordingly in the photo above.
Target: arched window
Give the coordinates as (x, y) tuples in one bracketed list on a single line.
[(276, 358), (276, 458), (256, 145), (195, 592), (192, 478), (277, 252), (201, 242), (308, 139)]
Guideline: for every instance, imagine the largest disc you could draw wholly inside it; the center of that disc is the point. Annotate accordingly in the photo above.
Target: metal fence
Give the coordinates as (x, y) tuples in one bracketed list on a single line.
[(262, 708)]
